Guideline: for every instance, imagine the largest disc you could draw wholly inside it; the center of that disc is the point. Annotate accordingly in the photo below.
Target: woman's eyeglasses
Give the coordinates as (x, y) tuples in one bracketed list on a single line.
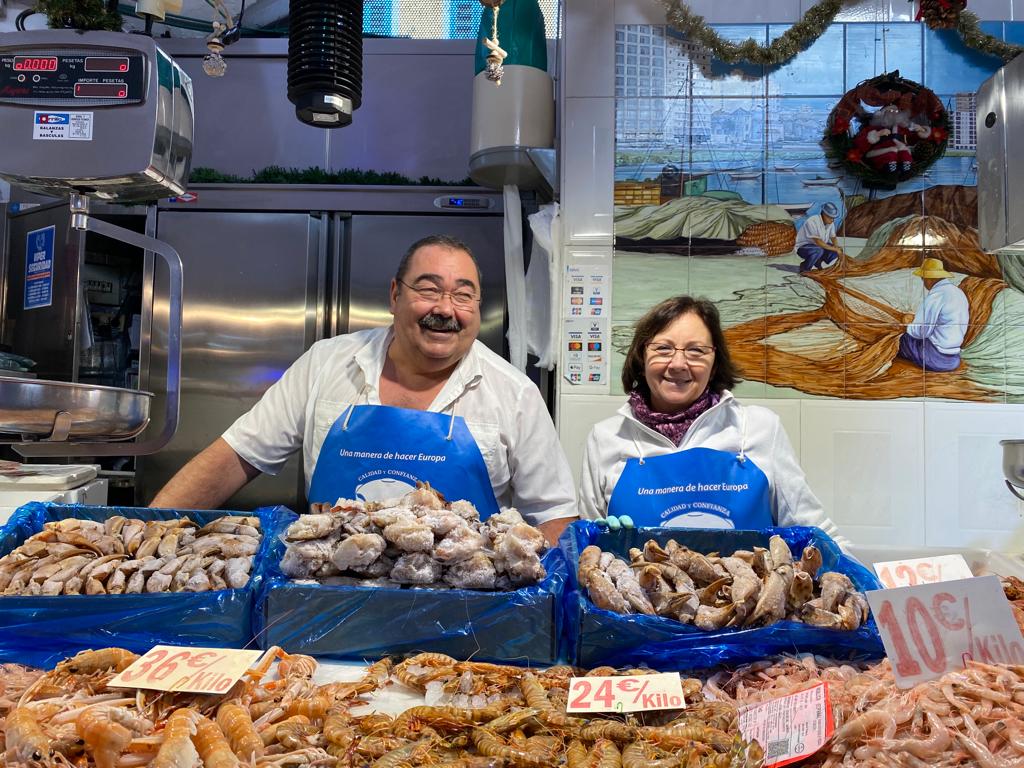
[(694, 353), (463, 299)]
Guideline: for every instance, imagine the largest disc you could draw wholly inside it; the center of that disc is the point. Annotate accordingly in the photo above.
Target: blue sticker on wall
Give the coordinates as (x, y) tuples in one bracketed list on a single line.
[(39, 267)]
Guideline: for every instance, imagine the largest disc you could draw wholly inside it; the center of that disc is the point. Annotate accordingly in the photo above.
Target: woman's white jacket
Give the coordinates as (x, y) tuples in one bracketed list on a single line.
[(727, 426)]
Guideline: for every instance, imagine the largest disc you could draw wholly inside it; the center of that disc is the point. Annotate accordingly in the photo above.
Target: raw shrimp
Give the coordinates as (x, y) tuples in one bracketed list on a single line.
[(105, 739), (236, 725), (177, 749)]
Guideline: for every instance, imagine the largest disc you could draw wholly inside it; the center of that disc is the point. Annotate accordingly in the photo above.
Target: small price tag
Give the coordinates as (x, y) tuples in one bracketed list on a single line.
[(790, 727), (932, 629), (634, 693), (193, 670), (922, 570)]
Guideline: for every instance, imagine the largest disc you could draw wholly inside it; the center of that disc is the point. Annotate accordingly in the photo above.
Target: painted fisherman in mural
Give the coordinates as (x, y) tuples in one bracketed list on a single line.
[(816, 243), (934, 337)]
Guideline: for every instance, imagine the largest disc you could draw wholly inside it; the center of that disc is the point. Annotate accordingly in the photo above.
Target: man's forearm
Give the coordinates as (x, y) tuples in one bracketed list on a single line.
[(552, 529), (208, 480)]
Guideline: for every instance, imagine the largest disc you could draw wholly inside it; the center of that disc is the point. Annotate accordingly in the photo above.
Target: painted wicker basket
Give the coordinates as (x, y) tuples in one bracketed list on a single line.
[(772, 237)]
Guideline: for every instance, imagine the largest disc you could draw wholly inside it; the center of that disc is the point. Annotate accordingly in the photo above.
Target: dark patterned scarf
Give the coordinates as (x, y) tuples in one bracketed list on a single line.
[(672, 425)]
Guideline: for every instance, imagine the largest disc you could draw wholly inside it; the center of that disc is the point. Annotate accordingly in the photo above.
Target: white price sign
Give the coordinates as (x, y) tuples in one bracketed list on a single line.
[(192, 670), (922, 570), (627, 693), (789, 728), (932, 629)]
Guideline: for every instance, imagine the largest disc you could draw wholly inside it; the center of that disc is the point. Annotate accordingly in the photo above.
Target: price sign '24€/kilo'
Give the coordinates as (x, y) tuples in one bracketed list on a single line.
[(932, 629)]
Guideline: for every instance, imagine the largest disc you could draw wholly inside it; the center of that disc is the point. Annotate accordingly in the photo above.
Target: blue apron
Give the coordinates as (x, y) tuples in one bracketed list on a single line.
[(695, 488), (377, 452)]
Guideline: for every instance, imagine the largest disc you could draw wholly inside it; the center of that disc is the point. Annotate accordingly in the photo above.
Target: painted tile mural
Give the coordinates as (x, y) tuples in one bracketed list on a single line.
[(720, 177)]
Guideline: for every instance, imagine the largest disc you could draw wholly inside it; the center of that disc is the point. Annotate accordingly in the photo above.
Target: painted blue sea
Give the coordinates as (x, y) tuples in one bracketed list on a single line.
[(784, 179)]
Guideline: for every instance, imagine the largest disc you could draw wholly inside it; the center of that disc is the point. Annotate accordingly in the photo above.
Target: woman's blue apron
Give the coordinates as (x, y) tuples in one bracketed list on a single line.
[(695, 488), (377, 452)]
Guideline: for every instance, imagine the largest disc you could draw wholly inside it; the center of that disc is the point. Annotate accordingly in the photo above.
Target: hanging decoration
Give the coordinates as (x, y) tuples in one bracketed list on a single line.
[(905, 133), (940, 14), (806, 31), (496, 57)]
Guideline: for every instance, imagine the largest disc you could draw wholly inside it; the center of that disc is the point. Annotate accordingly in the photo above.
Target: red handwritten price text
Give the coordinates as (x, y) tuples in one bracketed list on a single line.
[(196, 670), (626, 694), (924, 570), (929, 630)]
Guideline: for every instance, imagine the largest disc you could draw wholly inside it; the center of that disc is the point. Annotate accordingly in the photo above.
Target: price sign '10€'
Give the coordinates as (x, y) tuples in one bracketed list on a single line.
[(193, 670), (932, 629), (628, 693)]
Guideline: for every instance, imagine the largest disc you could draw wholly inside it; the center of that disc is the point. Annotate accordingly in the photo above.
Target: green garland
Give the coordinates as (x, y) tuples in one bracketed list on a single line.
[(803, 33), (79, 14), (276, 174)]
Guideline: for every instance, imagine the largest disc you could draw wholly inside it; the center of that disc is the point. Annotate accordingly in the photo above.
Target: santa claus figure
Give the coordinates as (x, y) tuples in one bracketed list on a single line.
[(884, 142)]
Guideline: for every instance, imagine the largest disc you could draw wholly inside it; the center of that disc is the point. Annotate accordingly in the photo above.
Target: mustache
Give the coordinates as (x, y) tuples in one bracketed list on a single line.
[(436, 322)]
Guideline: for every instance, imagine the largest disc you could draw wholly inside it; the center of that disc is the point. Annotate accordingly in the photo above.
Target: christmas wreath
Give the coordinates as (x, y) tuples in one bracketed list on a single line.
[(887, 129)]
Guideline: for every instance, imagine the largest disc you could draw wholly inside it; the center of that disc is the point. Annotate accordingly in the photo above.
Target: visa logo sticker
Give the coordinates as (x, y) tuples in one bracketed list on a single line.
[(52, 118)]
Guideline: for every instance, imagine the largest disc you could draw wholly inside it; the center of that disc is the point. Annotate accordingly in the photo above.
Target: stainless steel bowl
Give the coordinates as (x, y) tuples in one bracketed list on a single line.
[(30, 407), (1013, 465)]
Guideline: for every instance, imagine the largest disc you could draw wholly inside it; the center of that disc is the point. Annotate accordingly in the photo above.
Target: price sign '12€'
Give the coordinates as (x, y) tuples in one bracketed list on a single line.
[(932, 629), (193, 670)]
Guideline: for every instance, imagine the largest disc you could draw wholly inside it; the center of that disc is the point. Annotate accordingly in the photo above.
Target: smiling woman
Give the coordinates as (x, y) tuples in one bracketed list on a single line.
[(683, 452)]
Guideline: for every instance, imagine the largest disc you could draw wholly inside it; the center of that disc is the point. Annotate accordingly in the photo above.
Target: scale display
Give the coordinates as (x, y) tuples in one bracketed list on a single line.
[(107, 63), (35, 63), (65, 76)]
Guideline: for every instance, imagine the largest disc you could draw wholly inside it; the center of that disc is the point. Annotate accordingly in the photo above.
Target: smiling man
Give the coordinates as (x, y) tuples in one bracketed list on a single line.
[(421, 400)]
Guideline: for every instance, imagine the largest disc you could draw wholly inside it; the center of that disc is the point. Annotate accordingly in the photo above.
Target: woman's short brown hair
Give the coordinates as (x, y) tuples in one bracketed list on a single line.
[(724, 375)]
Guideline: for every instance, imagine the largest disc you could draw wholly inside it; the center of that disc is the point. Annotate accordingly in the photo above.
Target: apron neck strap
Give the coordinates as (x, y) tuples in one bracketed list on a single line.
[(742, 455), (348, 412)]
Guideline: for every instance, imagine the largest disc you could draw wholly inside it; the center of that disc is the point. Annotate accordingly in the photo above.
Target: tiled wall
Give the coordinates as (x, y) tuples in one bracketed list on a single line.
[(897, 454)]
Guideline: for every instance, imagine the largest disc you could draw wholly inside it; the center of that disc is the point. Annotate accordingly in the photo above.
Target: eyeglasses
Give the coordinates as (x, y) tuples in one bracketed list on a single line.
[(695, 353), (463, 299)]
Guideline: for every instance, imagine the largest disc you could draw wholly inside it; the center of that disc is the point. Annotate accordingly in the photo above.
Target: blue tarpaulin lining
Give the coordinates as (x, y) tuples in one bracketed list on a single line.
[(42, 630), (523, 626), (597, 637)]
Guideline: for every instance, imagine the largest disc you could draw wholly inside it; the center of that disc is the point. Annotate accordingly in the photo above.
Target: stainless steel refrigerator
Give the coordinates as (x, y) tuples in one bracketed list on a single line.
[(269, 271)]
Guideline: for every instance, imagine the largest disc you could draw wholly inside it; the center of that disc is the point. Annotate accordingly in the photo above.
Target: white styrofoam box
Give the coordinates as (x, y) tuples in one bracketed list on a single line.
[(788, 410), (588, 48), (11, 500), (865, 462), (1017, 10), (588, 163), (49, 477), (577, 414), (966, 498), (94, 493), (982, 562)]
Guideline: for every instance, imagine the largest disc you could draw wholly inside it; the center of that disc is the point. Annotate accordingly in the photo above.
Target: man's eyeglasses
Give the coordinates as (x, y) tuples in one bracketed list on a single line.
[(462, 298), (695, 353)]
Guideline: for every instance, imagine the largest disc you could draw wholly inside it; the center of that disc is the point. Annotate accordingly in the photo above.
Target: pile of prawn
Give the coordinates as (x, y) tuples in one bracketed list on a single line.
[(971, 717), (129, 556), (69, 716), (744, 589), (419, 540)]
